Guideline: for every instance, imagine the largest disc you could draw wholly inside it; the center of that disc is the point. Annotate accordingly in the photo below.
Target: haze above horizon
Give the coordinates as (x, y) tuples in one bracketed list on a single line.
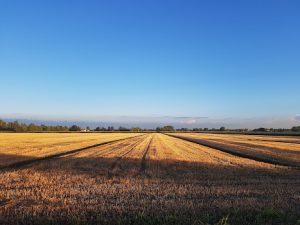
[(189, 59)]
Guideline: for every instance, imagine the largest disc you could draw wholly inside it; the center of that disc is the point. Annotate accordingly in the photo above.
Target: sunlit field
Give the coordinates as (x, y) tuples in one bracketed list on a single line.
[(279, 150), (15, 147), (148, 179)]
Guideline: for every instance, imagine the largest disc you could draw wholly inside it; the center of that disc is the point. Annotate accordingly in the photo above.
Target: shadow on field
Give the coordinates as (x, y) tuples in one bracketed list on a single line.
[(95, 190), (6, 160), (164, 169)]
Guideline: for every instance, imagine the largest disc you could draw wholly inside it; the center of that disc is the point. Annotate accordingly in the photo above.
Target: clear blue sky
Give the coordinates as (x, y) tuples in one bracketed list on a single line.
[(176, 58)]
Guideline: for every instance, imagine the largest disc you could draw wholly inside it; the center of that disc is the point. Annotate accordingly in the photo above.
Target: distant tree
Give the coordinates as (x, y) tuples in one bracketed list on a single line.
[(74, 128), (22, 127), (168, 128), (183, 129), (262, 129), (88, 128), (165, 128), (296, 129), (222, 128), (110, 128), (136, 129), (31, 127), (101, 129), (44, 127), (123, 129), (2, 124), (197, 129), (17, 127)]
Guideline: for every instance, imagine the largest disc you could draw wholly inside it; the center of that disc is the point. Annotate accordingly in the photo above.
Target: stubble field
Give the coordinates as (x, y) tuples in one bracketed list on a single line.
[(149, 179), (24, 146)]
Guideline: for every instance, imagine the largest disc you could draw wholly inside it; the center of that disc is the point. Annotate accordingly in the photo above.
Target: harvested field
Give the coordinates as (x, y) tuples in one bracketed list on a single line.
[(24, 146), (150, 179), (281, 151)]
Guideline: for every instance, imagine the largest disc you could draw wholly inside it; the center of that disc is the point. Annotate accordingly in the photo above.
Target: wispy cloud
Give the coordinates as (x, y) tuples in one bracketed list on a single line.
[(190, 121), (187, 117), (297, 118), (184, 120)]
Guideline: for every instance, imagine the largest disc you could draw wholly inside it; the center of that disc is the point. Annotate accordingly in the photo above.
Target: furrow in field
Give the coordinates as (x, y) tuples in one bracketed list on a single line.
[(135, 161), (283, 141), (204, 154), (243, 137), (162, 157), (271, 144), (218, 158), (95, 161), (170, 157), (125, 152), (16, 147), (145, 157), (108, 150), (240, 151), (264, 147), (23, 163)]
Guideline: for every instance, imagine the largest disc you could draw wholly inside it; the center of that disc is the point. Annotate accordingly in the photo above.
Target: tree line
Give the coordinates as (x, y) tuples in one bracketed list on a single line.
[(243, 130), (224, 129), (23, 127)]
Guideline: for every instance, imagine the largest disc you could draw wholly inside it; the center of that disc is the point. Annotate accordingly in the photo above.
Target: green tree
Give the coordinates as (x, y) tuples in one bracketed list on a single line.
[(136, 129), (296, 129), (75, 128), (165, 128), (222, 128), (2, 125)]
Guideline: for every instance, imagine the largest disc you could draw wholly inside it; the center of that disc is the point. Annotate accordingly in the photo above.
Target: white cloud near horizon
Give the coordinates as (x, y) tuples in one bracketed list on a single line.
[(180, 121)]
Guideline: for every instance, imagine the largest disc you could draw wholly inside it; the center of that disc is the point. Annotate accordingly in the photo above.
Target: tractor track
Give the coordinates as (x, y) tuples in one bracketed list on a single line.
[(254, 146), (22, 164), (216, 158), (223, 148), (144, 160), (111, 147), (119, 158), (282, 141)]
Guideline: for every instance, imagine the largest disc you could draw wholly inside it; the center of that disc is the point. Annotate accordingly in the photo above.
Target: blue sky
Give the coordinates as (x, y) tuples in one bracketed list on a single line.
[(216, 59)]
